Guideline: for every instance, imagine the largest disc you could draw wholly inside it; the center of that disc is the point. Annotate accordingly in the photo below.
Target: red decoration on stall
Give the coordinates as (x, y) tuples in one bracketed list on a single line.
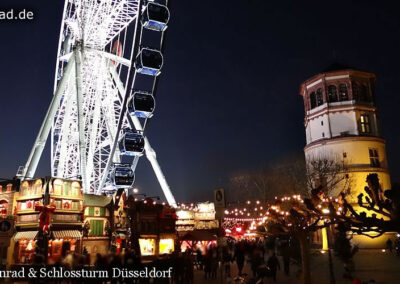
[(3, 210), (45, 215)]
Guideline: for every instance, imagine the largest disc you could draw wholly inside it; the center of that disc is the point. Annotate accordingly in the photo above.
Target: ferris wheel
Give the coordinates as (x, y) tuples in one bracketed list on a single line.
[(108, 63)]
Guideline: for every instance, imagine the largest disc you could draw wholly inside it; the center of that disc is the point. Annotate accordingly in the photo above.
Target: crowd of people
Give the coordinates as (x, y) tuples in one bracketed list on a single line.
[(260, 257)]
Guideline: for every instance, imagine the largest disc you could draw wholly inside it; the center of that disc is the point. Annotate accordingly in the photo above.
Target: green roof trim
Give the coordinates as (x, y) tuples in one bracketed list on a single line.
[(96, 200)]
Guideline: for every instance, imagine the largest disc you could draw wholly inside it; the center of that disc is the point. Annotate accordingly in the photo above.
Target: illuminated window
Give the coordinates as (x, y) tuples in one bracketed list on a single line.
[(67, 189), (75, 205), (147, 246), (57, 186), (374, 158), (365, 126), (320, 99), (343, 94), (76, 188), (58, 204), (24, 187), (37, 187), (332, 94), (166, 246)]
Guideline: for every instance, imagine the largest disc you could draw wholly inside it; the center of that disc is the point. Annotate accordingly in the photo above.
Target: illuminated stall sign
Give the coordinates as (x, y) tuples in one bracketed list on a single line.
[(206, 225), (204, 211), (185, 221), (201, 218)]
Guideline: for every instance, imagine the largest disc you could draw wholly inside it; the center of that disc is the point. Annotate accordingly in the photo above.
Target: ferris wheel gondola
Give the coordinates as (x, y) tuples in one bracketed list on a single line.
[(131, 143), (122, 176), (149, 62), (155, 17), (141, 104)]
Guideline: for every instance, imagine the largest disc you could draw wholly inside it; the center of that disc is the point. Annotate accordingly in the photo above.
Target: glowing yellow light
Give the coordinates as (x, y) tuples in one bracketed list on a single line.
[(166, 246), (325, 211)]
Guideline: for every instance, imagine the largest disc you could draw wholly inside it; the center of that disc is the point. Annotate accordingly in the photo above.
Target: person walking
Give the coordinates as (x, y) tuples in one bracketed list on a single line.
[(273, 265), (286, 261), (239, 257)]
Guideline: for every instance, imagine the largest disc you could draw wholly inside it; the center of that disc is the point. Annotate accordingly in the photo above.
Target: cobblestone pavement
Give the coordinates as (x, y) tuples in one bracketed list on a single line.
[(383, 267)]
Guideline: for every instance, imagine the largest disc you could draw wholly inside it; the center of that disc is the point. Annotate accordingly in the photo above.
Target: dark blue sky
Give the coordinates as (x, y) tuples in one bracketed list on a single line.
[(228, 97)]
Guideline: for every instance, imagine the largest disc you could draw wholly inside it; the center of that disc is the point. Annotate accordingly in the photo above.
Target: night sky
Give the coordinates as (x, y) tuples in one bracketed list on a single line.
[(228, 100)]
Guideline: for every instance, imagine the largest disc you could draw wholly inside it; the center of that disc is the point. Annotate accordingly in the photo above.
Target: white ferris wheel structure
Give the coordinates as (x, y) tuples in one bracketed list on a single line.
[(108, 63)]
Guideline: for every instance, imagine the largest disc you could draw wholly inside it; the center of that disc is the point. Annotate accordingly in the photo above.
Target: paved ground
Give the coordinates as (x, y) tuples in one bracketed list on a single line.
[(384, 268)]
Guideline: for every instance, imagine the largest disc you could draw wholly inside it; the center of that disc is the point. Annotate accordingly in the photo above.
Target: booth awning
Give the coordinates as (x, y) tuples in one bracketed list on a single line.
[(200, 235), (67, 234), (27, 235)]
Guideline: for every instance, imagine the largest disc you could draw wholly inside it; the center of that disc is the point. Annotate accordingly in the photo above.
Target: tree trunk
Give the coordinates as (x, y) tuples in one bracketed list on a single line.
[(305, 258)]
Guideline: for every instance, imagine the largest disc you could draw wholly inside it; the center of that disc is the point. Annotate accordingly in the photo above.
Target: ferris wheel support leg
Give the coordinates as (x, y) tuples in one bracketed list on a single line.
[(40, 142), (79, 100), (151, 156), (150, 153)]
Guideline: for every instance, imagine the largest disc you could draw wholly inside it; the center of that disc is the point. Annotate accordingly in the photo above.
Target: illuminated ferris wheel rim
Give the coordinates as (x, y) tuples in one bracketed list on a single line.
[(97, 55)]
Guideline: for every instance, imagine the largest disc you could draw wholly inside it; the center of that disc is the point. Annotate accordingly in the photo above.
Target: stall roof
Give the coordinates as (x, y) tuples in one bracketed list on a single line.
[(96, 200), (73, 234), (199, 235), (27, 235)]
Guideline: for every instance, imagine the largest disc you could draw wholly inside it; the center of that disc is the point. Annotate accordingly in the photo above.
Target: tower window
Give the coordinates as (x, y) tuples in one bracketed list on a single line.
[(356, 91), (313, 100), (365, 125), (322, 122), (323, 134), (332, 94), (374, 158), (343, 92), (344, 155), (320, 99), (364, 93)]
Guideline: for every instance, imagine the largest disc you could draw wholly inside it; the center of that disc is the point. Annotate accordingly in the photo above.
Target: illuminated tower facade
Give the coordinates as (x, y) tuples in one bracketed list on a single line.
[(342, 122)]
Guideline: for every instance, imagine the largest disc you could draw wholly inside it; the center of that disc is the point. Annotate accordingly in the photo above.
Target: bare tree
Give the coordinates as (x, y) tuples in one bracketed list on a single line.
[(298, 217), (292, 176), (329, 174)]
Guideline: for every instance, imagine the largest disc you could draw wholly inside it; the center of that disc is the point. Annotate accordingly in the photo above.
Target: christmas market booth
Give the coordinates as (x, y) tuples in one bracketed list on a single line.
[(197, 227), (8, 197), (154, 227), (120, 235), (49, 207), (96, 224)]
